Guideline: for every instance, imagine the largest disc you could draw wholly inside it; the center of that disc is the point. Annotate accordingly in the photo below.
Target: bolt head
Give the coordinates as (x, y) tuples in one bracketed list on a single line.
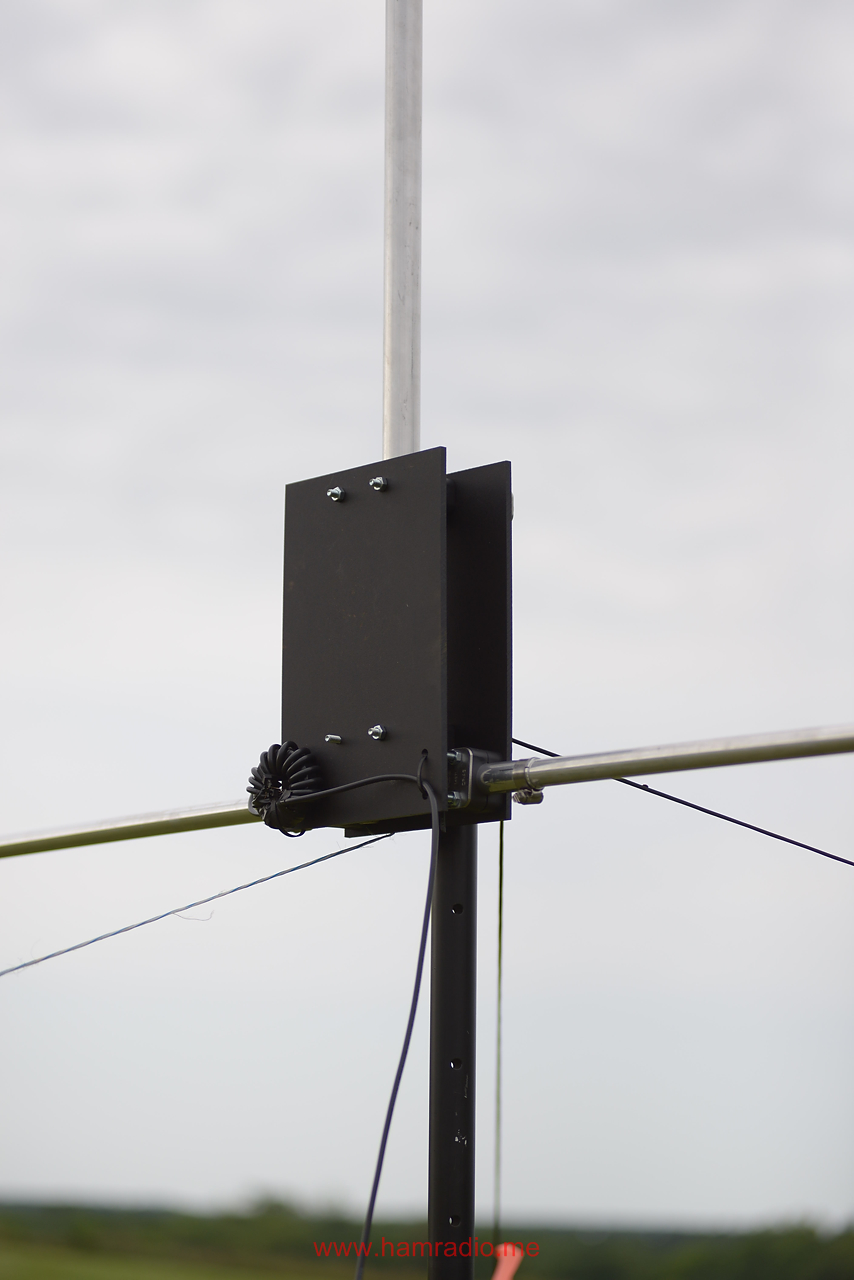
[(379, 483), (337, 494), (377, 732), (333, 737)]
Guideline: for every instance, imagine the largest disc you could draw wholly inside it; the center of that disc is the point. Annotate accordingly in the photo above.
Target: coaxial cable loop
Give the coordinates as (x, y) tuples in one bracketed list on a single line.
[(285, 772)]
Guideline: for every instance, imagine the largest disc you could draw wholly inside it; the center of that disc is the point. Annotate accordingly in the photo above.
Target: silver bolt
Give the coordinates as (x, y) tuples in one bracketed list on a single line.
[(379, 483), (456, 799), (334, 737), (455, 757), (377, 732), (337, 494)]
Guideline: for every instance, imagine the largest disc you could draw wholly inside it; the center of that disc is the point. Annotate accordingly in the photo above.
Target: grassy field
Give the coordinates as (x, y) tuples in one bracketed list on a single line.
[(74, 1242), (38, 1262), (31, 1262)]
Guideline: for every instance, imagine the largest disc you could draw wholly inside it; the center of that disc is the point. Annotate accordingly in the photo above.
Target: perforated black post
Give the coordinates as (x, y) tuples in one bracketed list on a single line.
[(452, 1057)]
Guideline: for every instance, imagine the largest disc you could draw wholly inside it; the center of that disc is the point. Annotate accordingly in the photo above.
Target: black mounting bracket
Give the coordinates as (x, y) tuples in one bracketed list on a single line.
[(397, 635)]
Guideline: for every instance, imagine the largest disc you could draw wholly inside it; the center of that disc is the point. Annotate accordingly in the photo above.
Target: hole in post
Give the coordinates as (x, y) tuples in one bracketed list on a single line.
[(454, 1220), (456, 1063), (457, 908)]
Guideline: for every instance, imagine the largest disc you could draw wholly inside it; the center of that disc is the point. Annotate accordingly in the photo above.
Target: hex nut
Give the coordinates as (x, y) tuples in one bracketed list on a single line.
[(377, 732), (379, 483), (337, 494)]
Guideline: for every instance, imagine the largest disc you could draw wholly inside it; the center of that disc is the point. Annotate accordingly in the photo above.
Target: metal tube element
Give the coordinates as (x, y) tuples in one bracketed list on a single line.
[(450, 1211), (144, 824), (402, 291), (516, 775)]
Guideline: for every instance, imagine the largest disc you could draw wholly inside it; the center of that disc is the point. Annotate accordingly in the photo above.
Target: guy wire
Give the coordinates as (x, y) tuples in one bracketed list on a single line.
[(496, 1200), (712, 813), (164, 915)]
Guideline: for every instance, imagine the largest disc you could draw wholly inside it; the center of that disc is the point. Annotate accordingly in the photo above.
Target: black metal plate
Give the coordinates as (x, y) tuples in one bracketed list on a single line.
[(364, 633), (479, 619), (479, 633)]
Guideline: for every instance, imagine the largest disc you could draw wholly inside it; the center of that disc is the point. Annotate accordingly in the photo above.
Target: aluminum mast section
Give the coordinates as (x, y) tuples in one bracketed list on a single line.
[(402, 240)]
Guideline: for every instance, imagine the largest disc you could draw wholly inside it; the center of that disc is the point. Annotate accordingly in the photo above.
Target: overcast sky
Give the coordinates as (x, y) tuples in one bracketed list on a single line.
[(639, 287)]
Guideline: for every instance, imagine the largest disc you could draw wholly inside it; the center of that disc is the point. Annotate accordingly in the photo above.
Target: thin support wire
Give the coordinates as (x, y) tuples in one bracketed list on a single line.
[(496, 1195), (336, 853), (713, 813)]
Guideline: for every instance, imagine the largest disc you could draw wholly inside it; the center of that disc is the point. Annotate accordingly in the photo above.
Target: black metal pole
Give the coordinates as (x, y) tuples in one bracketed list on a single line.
[(450, 1210)]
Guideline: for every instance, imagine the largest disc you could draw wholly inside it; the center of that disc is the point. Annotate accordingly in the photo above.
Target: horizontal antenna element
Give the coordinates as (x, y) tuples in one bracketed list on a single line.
[(534, 774), (530, 775), (167, 823)]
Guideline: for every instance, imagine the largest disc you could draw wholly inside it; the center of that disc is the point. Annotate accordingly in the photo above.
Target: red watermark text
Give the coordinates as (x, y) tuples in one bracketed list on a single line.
[(468, 1248)]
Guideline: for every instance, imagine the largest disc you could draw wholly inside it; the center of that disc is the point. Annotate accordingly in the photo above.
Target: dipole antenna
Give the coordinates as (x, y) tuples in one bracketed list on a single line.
[(467, 560)]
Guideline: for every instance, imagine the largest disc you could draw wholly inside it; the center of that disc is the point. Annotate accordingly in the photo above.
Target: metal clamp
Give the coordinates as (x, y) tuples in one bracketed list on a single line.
[(528, 795), (459, 778), (465, 765)]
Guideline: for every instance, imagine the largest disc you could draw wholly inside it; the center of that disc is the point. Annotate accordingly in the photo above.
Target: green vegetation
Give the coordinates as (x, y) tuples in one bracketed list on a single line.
[(31, 1262), (74, 1243)]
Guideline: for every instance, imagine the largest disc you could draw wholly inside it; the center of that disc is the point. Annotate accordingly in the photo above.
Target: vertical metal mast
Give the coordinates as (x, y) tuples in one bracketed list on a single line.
[(402, 292), (453, 989), (454, 929)]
